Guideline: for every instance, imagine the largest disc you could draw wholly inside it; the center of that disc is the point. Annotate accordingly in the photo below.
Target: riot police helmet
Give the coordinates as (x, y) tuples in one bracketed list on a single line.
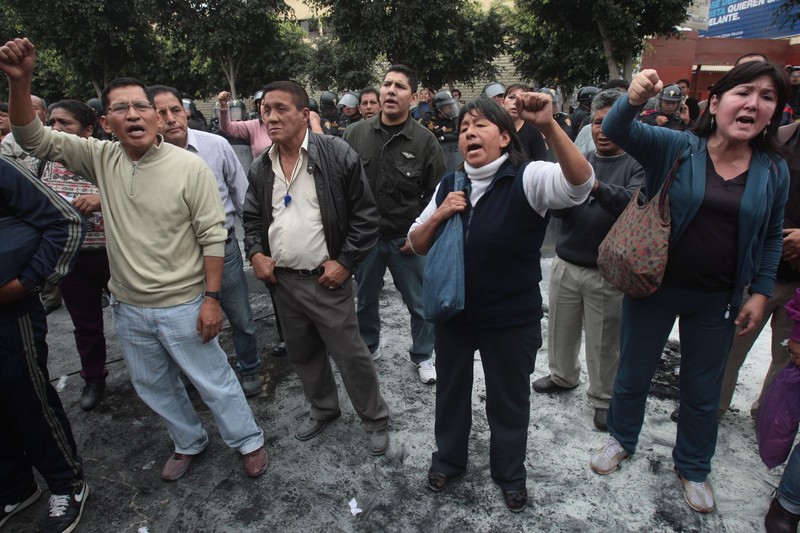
[(586, 94), (445, 104), (671, 93), (313, 105), (493, 90), (327, 99), (349, 99), (553, 95)]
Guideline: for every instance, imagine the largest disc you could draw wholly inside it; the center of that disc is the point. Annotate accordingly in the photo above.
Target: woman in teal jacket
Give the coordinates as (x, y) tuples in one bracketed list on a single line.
[(726, 205)]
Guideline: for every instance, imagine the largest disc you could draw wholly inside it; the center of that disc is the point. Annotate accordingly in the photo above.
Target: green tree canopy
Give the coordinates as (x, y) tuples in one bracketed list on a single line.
[(443, 41), (574, 42)]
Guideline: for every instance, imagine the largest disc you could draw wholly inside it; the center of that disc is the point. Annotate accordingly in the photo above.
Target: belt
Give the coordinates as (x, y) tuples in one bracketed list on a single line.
[(231, 235), (300, 272)]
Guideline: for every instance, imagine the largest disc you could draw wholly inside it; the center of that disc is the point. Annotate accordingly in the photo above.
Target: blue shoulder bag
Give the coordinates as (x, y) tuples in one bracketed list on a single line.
[(443, 280)]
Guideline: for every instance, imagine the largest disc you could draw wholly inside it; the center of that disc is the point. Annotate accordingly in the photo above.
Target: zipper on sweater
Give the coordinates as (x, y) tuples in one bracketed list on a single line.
[(133, 174), (728, 311)]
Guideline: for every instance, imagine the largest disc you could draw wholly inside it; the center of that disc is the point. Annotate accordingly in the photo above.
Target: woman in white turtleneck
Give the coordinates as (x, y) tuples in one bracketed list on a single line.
[(503, 207)]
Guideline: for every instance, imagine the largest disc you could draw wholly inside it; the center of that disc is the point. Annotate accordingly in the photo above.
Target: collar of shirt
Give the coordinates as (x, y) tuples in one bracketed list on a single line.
[(274, 155)]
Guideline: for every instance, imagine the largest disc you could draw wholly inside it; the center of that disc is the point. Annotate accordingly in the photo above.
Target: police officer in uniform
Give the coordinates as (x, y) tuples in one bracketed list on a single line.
[(348, 111), (328, 113), (442, 120), (581, 115), (668, 111), (561, 118)]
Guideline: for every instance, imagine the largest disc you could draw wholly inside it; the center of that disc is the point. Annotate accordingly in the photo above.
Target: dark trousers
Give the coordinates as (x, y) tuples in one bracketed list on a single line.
[(34, 430), (508, 356), (318, 323), (82, 290), (706, 337)]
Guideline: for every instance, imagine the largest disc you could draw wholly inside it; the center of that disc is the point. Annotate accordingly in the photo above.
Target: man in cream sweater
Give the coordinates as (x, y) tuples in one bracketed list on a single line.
[(165, 240)]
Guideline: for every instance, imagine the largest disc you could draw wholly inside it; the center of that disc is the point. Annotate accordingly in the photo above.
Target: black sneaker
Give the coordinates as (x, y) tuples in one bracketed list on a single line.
[(66, 510), (10, 510)]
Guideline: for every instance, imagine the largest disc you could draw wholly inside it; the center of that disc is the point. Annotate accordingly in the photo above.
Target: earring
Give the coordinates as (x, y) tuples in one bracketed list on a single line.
[(764, 134), (713, 122)]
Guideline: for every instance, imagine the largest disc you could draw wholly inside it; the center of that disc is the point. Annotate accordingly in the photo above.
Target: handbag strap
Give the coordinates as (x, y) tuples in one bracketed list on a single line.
[(664, 191)]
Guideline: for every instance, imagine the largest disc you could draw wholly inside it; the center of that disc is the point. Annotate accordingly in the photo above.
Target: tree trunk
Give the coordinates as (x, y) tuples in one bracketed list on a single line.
[(613, 69), (627, 72)]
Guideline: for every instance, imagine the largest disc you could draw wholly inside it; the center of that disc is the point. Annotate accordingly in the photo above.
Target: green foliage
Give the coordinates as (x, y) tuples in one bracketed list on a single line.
[(241, 37), (444, 41), (577, 42), (339, 66), (98, 40)]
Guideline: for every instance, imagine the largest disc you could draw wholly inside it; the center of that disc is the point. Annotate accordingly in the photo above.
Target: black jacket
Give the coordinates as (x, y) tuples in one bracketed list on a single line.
[(349, 215), (403, 170)]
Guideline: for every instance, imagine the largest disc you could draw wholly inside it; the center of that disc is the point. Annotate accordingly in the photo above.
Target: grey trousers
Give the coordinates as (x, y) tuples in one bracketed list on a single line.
[(781, 326), (580, 299), (318, 322)]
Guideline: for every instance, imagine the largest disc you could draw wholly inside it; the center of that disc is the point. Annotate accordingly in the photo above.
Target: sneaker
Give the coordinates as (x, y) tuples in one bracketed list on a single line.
[(427, 372), (10, 510), (251, 384), (607, 457), (698, 495), (66, 510), (279, 350), (376, 354), (92, 393)]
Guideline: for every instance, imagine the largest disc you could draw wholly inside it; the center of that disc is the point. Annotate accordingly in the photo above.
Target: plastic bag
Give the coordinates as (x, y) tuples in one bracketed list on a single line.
[(778, 416)]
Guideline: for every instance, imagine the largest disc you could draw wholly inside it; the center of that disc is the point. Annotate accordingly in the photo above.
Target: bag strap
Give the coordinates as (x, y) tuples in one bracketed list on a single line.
[(664, 191)]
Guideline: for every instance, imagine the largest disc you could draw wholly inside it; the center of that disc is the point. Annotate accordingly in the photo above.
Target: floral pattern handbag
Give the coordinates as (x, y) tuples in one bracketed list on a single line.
[(633, 255)]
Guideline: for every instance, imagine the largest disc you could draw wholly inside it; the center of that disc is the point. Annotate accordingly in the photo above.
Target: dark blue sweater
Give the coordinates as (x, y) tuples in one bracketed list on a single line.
[(502, 249)]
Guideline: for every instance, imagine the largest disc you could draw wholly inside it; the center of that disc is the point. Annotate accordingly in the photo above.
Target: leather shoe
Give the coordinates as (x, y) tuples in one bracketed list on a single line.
[(279, 350), (600, 416), (437, 481), (516, 499), (313, 427), (176, 466), (546, 384), (92, 394), (779, 520), (255, 462), (377, 441)]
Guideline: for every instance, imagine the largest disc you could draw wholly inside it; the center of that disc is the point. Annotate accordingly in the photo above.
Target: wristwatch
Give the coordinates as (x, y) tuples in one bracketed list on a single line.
[(217, 295)]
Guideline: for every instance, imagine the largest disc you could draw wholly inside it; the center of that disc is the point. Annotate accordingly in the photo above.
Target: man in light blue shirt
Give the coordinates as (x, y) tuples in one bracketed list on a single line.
[(232, 184)]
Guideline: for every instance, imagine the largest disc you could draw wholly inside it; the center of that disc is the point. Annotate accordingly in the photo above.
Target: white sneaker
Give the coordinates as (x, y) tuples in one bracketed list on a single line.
[(698, 495), (427, 372), (376, 354), (607, 457)]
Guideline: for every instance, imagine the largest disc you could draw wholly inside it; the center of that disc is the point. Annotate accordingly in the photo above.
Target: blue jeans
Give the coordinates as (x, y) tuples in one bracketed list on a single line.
[(706, 337), (789, 489), (407, 270), (236, 306), (157, 344)]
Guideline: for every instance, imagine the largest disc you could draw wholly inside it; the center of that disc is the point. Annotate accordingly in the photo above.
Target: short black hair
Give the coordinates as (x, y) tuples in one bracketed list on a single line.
[(158, 89), (368, 90), (79, 111), (125, 82), (749, 54), (684, 80), (616, 83), (410, 74), (299, 94), (4, 107)]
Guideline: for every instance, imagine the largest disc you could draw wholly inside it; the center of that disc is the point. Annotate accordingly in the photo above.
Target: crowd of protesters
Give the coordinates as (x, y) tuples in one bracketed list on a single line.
[(330, 195)]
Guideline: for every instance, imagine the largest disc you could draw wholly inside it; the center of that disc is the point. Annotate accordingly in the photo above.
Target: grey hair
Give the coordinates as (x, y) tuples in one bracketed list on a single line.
[(605, 99)]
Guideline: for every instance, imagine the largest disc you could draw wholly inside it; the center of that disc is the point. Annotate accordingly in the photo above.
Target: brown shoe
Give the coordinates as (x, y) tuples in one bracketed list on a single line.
[(547, 385), (176, 466), (255, 462)]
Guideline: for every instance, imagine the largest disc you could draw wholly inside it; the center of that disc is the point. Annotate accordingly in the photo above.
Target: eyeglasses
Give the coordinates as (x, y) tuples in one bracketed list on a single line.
[(121, 109)]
